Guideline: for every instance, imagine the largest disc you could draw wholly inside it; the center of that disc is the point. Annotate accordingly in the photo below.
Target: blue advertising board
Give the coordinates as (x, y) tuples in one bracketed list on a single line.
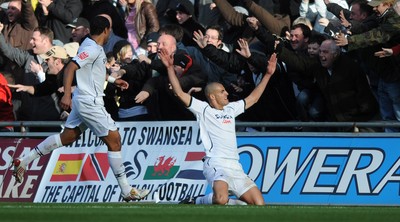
[(323, 170)]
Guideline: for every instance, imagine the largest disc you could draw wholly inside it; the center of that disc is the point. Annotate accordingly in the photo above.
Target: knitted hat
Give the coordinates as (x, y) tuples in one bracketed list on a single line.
[(118, 46), (152, 37), (185, 6)]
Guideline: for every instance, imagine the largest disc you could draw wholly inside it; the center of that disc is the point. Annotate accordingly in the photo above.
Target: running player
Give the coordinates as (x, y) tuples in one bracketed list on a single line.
[(88, 108)]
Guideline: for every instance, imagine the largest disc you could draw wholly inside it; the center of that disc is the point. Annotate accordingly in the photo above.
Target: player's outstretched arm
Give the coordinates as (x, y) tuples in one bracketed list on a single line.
[(257, 92), (168, 61)]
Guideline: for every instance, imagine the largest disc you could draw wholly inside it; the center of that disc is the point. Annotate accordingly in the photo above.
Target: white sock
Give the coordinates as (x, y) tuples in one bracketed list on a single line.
[(207, 199), (118, 168), (235, 202), (46, 146)]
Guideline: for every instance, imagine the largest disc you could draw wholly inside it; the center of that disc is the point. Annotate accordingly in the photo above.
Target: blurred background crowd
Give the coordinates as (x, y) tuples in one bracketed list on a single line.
[(337, 59)]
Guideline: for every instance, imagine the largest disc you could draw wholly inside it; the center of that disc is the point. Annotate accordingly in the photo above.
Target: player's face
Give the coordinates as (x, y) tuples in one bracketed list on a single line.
[(221, 95)]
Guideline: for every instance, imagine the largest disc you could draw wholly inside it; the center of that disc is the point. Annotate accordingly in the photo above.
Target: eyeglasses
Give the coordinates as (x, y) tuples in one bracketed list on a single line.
[(211, 37)]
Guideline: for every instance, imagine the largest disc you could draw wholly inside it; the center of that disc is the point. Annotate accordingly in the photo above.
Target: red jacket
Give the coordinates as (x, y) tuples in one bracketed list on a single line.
[(6, 106)]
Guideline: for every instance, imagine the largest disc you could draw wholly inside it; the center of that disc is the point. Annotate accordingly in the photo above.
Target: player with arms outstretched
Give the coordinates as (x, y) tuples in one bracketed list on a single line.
[(217, 130)]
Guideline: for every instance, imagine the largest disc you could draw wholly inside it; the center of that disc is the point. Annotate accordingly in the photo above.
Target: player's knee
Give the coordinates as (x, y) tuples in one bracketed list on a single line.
[(68, 137), (259, 202), (220, 199)]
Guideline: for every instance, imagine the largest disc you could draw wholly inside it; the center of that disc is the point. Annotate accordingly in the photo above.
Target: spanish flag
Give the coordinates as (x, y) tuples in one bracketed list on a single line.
[(68, 167)]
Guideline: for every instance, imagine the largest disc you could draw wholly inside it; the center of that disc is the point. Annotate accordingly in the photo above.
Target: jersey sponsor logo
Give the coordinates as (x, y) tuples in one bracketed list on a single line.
[(226, 119), (83, 55)]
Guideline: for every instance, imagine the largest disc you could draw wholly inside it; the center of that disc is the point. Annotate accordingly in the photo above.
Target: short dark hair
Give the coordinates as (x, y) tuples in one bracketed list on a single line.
[(364, 7), (98, 24), (316, 38), (172, 29), (46, 32), (218, 29), (304, 28)]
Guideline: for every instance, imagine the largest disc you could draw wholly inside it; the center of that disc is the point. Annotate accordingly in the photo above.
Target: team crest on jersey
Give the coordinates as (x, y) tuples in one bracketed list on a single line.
[(83, 55)]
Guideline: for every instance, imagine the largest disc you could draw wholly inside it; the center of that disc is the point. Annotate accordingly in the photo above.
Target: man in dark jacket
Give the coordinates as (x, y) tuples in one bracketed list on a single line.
[(57, 14), (344, 86)]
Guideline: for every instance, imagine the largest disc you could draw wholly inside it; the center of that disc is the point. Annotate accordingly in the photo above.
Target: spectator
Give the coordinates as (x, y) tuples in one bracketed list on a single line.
[(110, 90), (344, 87), (151, 41), (360, 18), (141, 19), (20, 24), (92, 8), (80, 28), (190, 75), (387, 69), (32, 108), (6, 104), (57, 14), (56, 58), (279, 93), (123, 52), (136, 74), (187, 20), (213, 36)]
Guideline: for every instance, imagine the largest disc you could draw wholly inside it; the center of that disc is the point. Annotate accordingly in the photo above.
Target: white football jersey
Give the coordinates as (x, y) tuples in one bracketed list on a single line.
[(91, 74), (217, 127)]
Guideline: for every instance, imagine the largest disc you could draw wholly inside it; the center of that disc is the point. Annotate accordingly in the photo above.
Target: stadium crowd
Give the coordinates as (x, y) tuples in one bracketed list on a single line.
[(337, 59)]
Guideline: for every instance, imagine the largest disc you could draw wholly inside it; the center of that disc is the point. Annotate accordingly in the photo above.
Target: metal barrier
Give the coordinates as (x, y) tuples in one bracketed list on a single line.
[(263, 128)]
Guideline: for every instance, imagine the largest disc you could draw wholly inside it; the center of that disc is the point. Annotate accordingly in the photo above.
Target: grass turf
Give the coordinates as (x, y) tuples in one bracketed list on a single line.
[(115, 212)]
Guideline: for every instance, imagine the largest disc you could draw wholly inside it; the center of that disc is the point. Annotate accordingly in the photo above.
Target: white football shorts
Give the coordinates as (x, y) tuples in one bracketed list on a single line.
[(88, 112), (230, 171)]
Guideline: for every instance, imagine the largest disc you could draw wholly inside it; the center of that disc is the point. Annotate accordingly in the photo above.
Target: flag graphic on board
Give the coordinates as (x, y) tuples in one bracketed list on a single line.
[(67, 167), (165, 168), (194, 158), (81, 167), (95, 168)]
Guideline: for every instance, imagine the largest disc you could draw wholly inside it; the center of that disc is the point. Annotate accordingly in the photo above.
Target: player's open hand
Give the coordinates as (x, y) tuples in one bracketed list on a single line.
[(271, 64)]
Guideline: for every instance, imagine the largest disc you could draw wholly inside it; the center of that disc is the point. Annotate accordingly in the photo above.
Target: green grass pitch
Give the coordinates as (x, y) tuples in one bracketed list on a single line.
[(143, 212)]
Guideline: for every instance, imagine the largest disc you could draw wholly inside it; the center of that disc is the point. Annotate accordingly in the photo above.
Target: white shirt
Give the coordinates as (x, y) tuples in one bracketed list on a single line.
[(217, 127), (91, 74)]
